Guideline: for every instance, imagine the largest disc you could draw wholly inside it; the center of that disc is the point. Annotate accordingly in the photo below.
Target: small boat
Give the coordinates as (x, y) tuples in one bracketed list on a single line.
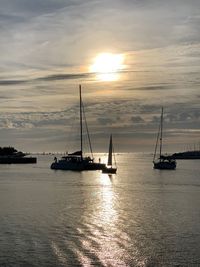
[(109, 167), (163, 162), (77, 161)]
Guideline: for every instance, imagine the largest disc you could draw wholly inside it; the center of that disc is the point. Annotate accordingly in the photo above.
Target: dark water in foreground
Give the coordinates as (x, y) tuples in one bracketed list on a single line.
[(139, 217)]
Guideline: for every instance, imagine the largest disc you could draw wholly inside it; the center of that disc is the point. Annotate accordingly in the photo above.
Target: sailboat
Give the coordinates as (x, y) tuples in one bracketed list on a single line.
[(163, 162), (109, 168), (76, 161)]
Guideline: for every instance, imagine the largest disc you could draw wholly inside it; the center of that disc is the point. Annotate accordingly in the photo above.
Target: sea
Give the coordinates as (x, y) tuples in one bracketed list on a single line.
[(137, 217)]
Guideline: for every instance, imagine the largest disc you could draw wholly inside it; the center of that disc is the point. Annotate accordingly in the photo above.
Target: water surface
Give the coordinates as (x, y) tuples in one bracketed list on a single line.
[(139, 217)]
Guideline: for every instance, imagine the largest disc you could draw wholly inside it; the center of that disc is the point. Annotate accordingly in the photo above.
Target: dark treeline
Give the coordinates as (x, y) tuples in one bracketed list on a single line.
[(8, 151)]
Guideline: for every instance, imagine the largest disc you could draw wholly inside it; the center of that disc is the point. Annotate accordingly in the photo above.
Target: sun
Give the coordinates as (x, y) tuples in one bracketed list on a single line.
[(107, 66)]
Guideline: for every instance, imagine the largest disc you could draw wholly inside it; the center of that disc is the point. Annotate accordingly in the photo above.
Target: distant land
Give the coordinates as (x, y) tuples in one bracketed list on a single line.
[(195, 154), (187, 155), (10, 155)]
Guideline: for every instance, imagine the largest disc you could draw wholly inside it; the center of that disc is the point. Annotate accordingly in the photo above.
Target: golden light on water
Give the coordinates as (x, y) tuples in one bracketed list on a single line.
[(107, 66)]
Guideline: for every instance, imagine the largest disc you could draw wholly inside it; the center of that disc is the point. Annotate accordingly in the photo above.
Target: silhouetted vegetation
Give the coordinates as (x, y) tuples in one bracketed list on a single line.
[(187, 155), (10, 151)]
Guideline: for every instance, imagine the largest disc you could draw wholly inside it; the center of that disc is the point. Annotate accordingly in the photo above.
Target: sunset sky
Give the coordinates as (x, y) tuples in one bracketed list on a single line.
[(47, 49)]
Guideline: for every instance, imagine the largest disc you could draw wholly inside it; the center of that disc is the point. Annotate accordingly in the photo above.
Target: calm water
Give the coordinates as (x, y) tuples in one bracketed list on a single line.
[(139, 217)]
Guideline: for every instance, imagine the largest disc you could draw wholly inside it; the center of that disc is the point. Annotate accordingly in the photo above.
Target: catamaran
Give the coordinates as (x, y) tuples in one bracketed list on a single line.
[(163, 162), (76, 161), (109, 168)]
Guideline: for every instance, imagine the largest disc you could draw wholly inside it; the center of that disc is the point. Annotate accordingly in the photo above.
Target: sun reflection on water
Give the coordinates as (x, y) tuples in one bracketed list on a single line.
[(107, 240), (107, 212)]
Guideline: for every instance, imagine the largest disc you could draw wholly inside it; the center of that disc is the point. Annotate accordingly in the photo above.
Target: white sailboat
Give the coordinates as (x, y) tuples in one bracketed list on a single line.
[(162, 162), (77, 161), (109, 168)]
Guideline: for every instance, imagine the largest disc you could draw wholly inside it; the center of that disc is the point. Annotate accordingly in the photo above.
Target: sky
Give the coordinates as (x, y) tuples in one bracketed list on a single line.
[(47, 48)]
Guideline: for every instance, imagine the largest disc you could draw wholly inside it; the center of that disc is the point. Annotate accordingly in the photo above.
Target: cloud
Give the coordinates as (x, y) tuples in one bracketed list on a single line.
[(53, 33), (11, 82), (106, 121), (61, 125), (34, 8), (56, 77), (53, 77), (137, 119), (152, 88)]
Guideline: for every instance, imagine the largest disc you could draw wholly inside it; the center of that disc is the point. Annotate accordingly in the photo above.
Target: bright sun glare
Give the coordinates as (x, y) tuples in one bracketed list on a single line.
[(107, 66)]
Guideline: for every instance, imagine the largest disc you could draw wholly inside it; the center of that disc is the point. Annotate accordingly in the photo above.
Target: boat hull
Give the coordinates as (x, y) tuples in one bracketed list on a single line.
[(77, 166), (164, 165), (109, 170)]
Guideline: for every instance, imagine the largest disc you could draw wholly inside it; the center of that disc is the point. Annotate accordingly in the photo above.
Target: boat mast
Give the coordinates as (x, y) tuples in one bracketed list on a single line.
[(81, 124), (113, 152), (161, 132), (157, 140), (110, 152), (88, 135)]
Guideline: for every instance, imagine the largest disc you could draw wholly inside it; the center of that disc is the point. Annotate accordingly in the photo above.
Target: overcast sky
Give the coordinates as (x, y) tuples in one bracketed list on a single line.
[(47, 47)]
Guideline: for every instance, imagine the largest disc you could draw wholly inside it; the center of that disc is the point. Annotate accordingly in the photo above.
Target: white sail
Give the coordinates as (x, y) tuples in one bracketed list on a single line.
[(110, 152)]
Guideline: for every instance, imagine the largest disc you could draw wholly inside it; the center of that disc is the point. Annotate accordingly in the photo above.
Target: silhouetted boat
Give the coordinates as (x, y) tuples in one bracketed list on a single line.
[(109, 167), (163, 162), (76, 161), (9, 155)]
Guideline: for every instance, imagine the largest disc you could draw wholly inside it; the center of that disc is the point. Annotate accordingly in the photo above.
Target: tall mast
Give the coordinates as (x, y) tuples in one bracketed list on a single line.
[(161, 131), (81, 124), (110, 152), (157, 141)]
